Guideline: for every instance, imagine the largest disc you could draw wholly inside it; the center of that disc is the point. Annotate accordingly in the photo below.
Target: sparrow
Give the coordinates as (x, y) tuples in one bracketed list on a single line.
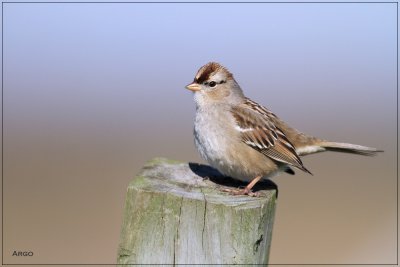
[(244, 140)]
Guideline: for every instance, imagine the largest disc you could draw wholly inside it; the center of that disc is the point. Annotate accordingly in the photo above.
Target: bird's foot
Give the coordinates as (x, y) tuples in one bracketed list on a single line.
[(241, 192)]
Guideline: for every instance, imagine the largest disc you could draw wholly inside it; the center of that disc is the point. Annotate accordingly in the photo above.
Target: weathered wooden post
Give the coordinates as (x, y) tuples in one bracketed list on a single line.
[(175, 214)]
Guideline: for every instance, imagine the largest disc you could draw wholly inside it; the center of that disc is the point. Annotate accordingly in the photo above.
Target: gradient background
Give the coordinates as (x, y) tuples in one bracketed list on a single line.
[(93, 91)]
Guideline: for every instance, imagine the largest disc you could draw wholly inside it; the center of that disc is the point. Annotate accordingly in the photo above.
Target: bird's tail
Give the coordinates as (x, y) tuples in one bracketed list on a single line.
[(349, 148)]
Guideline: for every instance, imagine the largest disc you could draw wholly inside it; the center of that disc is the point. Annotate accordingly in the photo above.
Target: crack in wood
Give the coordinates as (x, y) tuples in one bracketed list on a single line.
[(162, 217), (176, 238), (204, 220), (257, 244)]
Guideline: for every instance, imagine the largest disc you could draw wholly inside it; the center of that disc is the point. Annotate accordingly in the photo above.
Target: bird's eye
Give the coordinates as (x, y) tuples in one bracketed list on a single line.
[(212, 84)]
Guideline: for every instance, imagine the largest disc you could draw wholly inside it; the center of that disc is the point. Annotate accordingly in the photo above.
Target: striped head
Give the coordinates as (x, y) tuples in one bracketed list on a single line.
[(214, 83)]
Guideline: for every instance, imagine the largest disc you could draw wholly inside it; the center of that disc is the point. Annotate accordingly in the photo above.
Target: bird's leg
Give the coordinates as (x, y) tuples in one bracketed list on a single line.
[(246, 190)]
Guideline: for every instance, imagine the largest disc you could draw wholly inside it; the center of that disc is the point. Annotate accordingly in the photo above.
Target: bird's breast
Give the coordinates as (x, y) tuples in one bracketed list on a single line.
[(221, 146), (212, 135)]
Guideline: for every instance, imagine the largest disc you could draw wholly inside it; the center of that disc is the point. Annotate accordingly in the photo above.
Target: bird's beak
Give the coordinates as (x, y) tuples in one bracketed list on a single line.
[(193, 87)]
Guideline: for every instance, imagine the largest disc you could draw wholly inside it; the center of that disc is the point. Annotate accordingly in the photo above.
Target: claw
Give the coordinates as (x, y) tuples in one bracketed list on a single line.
[(246, 190), (241, 192)]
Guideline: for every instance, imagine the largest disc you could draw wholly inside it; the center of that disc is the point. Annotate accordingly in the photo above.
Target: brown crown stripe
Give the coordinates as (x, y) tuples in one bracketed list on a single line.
[(205, 72)]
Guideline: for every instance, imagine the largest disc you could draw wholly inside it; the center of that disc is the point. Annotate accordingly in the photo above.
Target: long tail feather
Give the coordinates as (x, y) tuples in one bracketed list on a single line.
[(349, 148)]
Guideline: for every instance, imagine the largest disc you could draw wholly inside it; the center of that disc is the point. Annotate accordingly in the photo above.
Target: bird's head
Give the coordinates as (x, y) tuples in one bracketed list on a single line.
[(214, 83)]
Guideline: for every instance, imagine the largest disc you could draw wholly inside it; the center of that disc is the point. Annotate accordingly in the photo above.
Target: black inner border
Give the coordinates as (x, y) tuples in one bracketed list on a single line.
[(103, 264)]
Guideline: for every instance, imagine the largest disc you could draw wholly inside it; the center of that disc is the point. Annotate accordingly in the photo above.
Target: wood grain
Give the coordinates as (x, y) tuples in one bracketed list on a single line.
[(176, 213)]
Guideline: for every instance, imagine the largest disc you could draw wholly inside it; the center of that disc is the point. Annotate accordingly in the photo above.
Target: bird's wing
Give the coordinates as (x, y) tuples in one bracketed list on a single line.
[(255, 124)]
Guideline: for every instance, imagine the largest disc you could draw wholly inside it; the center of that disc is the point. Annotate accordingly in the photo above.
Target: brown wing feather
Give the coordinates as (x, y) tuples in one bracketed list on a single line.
[(259, 132)]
